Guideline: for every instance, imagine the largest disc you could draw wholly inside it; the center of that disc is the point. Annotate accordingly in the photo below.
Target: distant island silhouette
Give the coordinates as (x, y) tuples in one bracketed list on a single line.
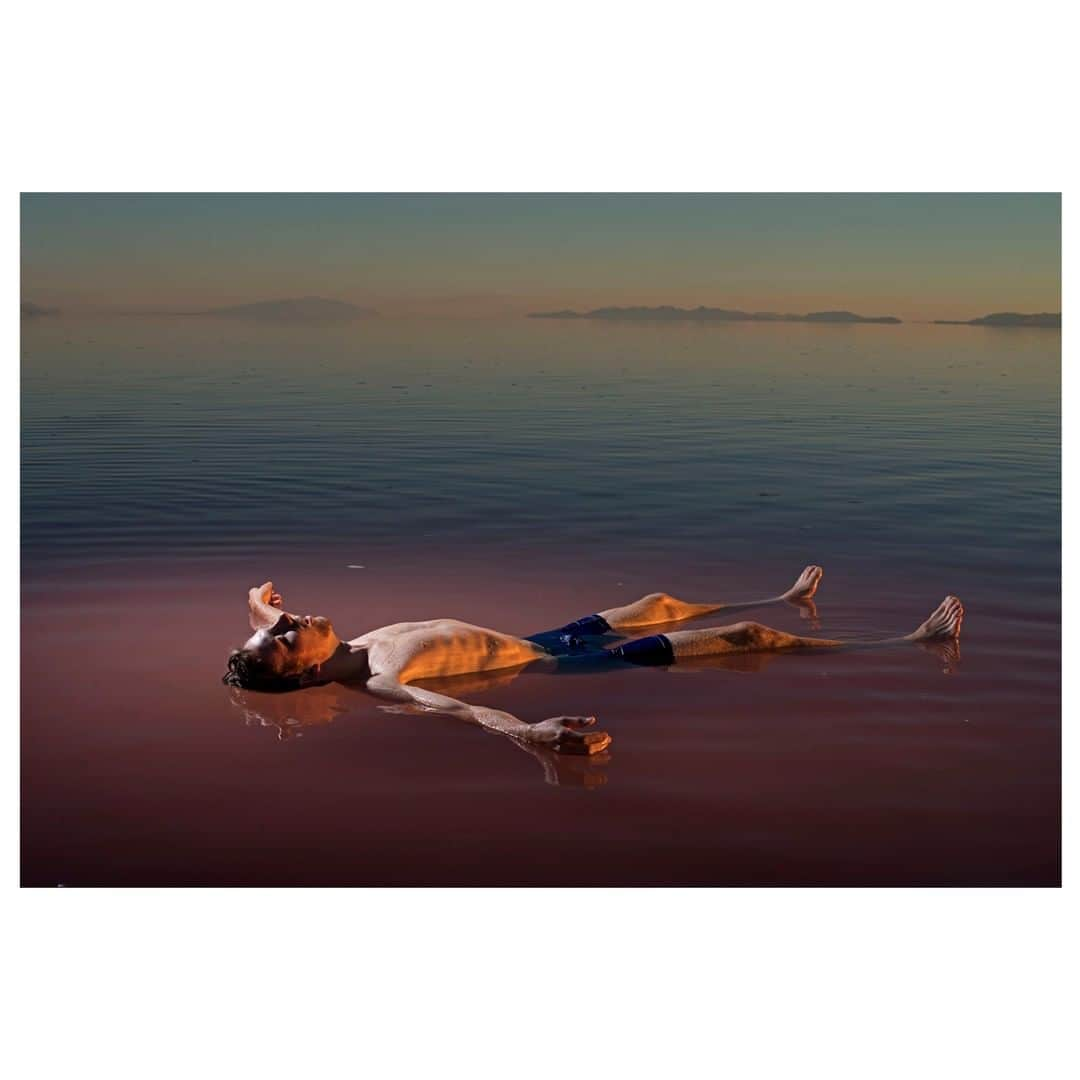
[(306, 309), (28, 310), (706, 314), (1007, 318)]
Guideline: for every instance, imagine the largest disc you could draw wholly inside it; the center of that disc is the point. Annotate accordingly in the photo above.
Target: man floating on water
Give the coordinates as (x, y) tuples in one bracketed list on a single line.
[(290, 652)]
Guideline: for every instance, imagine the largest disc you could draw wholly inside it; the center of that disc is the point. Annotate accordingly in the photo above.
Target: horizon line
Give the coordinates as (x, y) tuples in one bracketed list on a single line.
[(608, 312)]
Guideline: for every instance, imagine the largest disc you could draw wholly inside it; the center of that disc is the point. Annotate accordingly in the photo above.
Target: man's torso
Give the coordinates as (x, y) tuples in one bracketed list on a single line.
[(442, 647)]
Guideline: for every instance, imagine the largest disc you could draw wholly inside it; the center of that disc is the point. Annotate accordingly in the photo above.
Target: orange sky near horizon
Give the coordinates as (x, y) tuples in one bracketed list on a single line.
[(912, 256)]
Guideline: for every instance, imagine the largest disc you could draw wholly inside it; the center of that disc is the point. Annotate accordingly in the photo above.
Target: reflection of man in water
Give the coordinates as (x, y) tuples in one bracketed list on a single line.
[(289, 652), (291, 715)]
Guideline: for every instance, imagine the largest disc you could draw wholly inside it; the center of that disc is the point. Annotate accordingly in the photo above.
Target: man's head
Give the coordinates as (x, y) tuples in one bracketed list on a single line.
[(288, 656)]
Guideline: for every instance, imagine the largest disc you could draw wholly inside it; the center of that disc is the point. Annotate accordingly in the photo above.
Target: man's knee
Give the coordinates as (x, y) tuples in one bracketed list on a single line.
[(658, 598), (660, 603), (752, 635)]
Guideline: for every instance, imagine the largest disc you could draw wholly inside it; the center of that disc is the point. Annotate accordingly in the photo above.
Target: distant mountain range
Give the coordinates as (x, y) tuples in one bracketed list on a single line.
[(28, 310), (1007, 318), (317, 309), (707, 314), (306, 309)]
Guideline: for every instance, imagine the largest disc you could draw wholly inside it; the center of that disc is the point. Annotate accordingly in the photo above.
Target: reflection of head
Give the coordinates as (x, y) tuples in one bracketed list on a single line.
[(290, 714), (285, 657)]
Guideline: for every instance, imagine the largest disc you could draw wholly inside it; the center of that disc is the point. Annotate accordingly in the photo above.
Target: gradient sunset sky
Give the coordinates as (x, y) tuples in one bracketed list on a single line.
[(915, 256)]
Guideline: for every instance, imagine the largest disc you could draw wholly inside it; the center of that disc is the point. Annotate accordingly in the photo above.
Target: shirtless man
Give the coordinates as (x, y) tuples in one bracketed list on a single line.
[(289, 652)]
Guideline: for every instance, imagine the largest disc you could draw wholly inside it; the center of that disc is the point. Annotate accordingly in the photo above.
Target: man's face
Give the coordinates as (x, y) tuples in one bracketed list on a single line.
[(295, 643)]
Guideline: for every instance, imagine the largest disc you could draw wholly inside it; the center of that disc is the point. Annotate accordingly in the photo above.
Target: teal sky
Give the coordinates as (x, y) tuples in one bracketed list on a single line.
[(916, 256)]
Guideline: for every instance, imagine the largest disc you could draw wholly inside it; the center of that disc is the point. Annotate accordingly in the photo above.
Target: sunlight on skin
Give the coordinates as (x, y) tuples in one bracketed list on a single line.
[(391, 661)]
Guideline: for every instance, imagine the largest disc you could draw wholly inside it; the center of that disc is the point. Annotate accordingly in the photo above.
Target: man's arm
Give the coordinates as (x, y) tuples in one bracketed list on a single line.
[(264, 606), (566, 734)]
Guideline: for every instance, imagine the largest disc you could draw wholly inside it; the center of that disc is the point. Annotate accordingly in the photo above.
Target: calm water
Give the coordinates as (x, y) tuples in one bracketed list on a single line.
[(521, 474)]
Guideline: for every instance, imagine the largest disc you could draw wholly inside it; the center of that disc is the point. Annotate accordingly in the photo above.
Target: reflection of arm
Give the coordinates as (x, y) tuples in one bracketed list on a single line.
[(561, 733), (263, 606), (388, 687)]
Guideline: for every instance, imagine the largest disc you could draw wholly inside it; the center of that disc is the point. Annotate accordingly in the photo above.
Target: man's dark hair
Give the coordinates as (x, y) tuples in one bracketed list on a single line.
[(249, 671)]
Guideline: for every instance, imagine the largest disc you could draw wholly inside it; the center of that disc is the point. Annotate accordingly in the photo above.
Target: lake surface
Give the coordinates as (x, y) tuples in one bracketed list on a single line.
[(520, 474)]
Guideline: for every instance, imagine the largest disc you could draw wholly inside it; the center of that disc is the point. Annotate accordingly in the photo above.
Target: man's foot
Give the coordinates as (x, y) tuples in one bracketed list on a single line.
[(567, 735), (806, 586), (944, 624)]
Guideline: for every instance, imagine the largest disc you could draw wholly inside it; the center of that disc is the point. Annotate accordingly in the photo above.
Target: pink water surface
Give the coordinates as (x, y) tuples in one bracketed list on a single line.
[(872, 768)]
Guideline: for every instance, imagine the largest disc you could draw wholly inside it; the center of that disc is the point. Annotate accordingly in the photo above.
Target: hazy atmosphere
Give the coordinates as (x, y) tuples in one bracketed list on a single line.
[(655, 436), (909, 256)]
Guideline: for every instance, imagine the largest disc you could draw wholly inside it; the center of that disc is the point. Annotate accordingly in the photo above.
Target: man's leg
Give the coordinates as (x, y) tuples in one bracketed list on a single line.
[(742, 637), (661, 608), (943, 625)]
